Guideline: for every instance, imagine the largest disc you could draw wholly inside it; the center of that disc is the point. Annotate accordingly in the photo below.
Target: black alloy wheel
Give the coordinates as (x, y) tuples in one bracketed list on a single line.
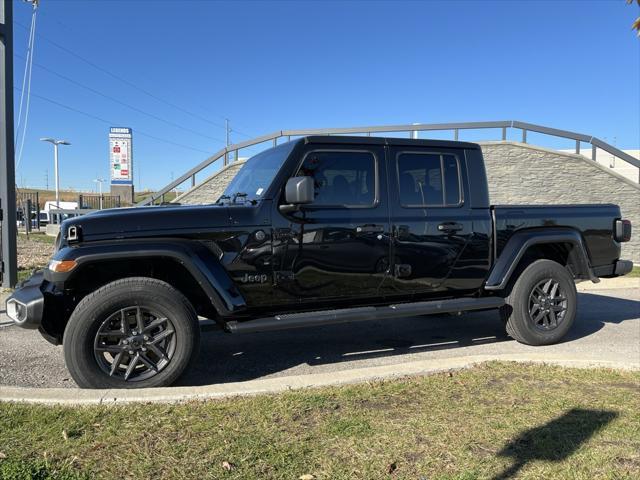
[(134, 343)]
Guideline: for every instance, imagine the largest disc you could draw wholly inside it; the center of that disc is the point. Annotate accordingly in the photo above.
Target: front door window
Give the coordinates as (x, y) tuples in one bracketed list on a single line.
[(339, 245)]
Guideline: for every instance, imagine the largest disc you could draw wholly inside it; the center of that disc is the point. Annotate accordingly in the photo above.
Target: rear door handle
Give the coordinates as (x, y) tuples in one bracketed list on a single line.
[(450, 227), (369, 228)]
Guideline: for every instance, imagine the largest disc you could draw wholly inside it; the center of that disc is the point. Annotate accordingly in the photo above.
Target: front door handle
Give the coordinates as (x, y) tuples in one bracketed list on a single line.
[(450, 227), (369, 228)]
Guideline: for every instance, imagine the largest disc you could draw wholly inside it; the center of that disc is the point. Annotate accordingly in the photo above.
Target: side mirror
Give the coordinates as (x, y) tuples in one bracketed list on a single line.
[(298, 191)]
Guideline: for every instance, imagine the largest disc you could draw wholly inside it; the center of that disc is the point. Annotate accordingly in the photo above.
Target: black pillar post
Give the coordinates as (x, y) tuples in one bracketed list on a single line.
[(7, 163)]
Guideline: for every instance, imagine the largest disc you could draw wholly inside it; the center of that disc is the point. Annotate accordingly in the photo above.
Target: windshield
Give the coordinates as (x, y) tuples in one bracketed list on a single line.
[(255, 176)]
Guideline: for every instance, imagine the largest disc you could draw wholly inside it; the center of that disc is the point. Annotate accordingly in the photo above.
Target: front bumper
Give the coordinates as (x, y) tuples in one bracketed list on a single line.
[(26, 305)]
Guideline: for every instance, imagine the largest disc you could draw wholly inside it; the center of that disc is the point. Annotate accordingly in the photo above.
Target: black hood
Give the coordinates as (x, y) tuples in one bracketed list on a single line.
[(152, 221)]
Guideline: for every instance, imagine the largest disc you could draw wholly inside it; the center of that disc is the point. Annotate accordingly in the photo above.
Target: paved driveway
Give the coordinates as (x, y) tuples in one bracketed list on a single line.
[(607, 330)]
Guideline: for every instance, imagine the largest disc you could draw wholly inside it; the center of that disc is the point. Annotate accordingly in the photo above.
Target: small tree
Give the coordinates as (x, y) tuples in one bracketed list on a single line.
[(636, 24)]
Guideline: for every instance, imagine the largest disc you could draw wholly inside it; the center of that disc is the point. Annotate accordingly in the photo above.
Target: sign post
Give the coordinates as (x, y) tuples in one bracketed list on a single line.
[(121, 163)]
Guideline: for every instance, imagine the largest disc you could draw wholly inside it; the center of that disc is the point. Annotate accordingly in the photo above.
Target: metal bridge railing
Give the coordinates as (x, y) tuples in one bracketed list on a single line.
[(233, 151)]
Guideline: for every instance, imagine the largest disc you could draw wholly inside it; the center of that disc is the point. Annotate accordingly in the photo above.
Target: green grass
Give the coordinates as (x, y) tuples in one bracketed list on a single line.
[(498, 420), (38, 237), (635, 273), (23, 274)]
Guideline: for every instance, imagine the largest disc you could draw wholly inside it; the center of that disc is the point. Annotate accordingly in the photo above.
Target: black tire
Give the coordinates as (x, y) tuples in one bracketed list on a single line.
[(165, 313), (524, 312)]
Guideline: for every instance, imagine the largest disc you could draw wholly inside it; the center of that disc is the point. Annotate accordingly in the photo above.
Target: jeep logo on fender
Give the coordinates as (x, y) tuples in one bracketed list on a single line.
[(258, 278)]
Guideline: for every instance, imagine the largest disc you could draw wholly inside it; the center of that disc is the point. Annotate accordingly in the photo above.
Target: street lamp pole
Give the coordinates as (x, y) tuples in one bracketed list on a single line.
[(57, 176), (99, 182), (55, 144)]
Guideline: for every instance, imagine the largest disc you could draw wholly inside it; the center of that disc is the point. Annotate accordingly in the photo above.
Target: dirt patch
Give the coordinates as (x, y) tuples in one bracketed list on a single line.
[(629, 463), (625, 385), (32, 253)]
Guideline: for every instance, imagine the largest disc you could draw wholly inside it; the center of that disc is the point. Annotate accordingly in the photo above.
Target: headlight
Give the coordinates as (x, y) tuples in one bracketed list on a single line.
[(62, 265)]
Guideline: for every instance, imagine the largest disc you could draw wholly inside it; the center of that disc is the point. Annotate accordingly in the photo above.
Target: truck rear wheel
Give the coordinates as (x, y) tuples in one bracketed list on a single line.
[(132, 333), (542, 304)]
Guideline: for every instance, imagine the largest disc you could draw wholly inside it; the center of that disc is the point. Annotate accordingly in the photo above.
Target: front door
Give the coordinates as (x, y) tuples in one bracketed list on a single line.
[(432, 225), (337, 247)]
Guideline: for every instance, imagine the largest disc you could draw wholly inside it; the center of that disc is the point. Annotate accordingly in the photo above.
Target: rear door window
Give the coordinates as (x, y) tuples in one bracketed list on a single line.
[(428, 179)]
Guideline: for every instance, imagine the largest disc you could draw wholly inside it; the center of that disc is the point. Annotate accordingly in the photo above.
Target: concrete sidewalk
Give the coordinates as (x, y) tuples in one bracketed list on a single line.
[(610, 284)]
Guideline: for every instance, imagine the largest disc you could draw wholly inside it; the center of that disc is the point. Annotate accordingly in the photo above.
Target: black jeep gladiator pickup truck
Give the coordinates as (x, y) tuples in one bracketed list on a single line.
[(315, 231)]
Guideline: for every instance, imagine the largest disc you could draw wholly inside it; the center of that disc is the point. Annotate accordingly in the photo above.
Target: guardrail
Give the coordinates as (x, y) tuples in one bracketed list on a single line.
[(233, 151)]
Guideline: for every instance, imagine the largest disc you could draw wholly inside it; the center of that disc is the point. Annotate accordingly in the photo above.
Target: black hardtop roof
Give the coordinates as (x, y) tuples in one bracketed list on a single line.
[(357, 140)]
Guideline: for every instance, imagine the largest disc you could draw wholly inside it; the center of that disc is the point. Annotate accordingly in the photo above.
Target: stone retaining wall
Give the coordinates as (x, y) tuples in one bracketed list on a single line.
[(526, 174), (518, 173), (210, 189)]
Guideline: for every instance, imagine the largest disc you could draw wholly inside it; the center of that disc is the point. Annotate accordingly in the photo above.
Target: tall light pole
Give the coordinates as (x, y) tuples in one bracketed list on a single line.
[(55, 164), (99, 182)]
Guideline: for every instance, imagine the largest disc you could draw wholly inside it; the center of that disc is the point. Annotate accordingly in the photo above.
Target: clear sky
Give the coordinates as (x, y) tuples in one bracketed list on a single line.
[(268, 66)]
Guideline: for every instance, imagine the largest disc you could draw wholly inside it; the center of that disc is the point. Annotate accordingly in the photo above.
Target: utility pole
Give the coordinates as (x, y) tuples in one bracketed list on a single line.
[(46, 178), (227, 129), (9, 262)]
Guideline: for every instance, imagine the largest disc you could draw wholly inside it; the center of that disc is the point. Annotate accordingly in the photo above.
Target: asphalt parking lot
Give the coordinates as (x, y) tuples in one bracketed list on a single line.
[(607, 330)]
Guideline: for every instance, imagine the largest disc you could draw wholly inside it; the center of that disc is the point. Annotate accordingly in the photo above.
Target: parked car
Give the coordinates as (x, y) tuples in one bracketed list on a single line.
[(47, 214), (316, 231)]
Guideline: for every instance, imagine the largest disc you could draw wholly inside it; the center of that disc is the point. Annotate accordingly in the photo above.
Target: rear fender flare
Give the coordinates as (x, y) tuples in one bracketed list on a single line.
[(520, 242)]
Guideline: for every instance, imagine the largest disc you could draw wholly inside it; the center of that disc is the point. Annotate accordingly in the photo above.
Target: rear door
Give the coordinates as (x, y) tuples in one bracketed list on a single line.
[(338, 246), (431, 223)]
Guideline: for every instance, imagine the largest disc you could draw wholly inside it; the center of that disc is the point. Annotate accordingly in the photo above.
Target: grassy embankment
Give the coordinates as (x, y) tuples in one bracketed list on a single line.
[(499, 420)]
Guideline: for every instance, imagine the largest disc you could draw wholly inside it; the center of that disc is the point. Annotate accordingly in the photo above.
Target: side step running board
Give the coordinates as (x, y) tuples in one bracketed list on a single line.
[(327, 317)]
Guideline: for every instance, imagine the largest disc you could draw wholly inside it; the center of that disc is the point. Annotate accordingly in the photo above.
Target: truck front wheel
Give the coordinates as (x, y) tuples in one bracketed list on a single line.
[(541, 306), (132, 333)]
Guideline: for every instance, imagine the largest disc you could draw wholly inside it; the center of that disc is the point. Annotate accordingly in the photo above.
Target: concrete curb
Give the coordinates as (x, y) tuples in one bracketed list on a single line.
[(72, 397)]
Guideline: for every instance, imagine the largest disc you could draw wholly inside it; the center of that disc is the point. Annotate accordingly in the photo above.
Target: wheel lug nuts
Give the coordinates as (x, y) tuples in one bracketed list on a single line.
[(146, 337), (144, 349), (125, 342), (130, 352)]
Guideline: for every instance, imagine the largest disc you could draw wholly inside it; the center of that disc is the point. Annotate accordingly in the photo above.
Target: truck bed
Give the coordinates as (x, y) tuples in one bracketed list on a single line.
[(594, 222)]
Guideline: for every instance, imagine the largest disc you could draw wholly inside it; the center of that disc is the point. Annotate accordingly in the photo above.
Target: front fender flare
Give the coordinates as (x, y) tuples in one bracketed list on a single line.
[(518, 244), (199, 261)]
